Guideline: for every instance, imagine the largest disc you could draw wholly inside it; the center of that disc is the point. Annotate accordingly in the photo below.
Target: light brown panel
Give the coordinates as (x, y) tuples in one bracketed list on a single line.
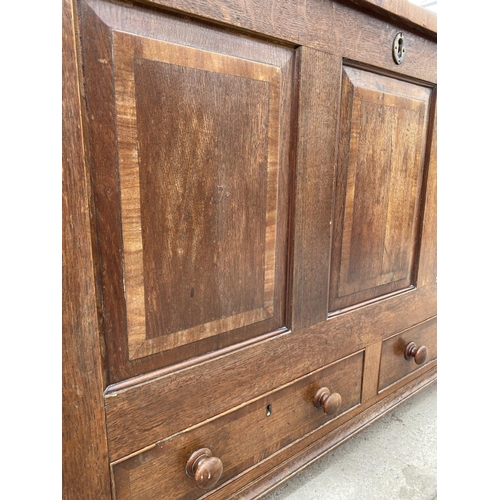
[(240, 438), (379, 179), (233, 283), (192, 207), (198, 194)]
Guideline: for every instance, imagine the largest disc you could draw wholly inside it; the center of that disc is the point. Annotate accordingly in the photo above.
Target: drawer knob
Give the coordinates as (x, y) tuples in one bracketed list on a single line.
[(205, 468), (419, 354), (329, 402)]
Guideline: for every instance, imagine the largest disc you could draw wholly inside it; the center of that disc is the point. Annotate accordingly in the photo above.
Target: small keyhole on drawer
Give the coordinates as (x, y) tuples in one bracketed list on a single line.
[(269, 410)]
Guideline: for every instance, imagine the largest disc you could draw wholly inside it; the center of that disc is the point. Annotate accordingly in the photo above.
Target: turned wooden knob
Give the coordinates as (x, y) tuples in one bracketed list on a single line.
[(205, 468), (329, 402), (419, 354)]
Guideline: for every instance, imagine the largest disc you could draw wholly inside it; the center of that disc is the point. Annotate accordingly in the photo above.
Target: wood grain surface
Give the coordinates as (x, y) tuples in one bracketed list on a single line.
[(143, 414), (299, 18), (393, 365), (403, 10), (198, 138), (427, 267), (241, 438), (192, 184), (371, 371), (381, 163), (249, 203), (273, 472), (85, 471), (319, 73)]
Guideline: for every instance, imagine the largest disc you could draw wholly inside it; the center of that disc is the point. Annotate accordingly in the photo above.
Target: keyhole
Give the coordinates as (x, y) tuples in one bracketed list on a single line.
[(269, 410), (399, 48)]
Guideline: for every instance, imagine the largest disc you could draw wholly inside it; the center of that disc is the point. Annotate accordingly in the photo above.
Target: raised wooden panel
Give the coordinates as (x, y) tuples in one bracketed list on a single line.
[(198, 194), (202, 125), (381, 159)]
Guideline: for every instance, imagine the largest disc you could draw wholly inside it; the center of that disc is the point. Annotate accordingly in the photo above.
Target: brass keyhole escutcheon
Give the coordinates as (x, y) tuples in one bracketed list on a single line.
[(399, 48)]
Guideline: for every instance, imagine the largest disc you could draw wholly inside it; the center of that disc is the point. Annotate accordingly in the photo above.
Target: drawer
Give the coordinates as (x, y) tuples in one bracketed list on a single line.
[(406, 352), (241, 437)]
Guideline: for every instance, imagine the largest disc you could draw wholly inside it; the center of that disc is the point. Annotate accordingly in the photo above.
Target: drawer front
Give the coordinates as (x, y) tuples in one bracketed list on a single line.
[(400, 358), (242, 437)]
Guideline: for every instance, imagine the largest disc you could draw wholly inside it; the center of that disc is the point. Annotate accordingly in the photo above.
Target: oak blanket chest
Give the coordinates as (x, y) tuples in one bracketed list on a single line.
[(249, 245)]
